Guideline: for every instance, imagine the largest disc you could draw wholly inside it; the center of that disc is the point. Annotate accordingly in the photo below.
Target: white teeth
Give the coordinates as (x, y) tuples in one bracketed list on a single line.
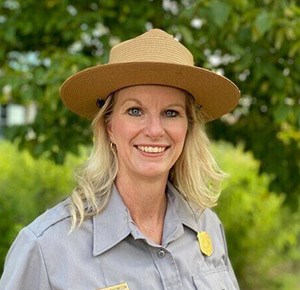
[(150, 149)]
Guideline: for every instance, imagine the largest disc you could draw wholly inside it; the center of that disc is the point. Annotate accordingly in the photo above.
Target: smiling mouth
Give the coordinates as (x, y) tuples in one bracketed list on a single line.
[(151, 149)]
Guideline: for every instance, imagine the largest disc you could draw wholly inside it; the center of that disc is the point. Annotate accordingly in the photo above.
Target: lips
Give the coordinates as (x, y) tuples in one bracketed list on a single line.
[(152, 149)]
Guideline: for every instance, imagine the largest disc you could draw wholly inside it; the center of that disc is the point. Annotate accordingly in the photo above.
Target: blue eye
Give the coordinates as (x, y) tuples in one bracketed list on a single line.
[(170, 113), (134, 112)]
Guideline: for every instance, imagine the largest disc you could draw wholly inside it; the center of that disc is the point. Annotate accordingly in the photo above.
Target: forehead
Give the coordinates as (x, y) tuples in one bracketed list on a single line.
[(151, 94)]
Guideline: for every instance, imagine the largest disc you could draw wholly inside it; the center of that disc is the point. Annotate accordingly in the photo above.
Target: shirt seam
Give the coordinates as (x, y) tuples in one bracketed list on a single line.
[(212, 271), (41, 254)]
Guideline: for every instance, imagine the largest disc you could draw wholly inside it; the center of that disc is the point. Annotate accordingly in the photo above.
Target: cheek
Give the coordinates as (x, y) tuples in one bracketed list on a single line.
[(119, 130), (179, 133)]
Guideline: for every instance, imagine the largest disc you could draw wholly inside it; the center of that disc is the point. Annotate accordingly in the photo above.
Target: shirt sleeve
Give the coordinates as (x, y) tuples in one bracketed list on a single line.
[(24, 266), (230, 269)]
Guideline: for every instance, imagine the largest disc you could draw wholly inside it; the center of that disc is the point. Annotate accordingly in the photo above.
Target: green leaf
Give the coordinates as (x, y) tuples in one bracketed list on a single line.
[(281, 113), (220, 12), (263, 22), (187, 34)]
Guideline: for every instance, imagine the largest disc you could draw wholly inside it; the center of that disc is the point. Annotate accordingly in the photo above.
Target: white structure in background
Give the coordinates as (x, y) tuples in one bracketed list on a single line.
[(14, 115)]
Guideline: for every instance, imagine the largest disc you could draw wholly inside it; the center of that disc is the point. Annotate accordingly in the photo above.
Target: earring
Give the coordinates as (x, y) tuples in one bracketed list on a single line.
[(112, 147)]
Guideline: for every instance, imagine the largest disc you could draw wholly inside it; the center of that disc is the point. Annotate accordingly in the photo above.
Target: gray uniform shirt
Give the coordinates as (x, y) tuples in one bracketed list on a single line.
[(109, 250)]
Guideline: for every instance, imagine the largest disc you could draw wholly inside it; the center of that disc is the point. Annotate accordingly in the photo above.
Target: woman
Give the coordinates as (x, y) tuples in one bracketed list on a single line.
[(140, 216)]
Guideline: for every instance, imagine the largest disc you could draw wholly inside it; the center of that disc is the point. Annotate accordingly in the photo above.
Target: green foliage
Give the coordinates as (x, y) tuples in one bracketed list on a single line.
[(263, 234), (27, 188), (255, 43)]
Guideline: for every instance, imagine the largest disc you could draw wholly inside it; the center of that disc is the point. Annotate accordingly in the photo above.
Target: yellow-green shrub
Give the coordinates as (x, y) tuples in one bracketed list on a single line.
[(262, 233), (28, 186)]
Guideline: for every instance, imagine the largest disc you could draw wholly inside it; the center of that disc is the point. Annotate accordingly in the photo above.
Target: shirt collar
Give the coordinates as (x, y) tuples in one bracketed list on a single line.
[(112, 225), (188, 214)]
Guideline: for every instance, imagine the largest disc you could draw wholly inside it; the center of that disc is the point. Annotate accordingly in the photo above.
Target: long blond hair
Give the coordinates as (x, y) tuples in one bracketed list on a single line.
[(195, 173)]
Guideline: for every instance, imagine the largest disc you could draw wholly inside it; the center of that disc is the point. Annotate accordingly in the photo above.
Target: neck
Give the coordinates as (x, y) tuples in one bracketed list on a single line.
[(147, 202)]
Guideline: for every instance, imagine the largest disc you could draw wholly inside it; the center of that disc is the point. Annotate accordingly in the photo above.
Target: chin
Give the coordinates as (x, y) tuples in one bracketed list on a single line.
[(154, 172)]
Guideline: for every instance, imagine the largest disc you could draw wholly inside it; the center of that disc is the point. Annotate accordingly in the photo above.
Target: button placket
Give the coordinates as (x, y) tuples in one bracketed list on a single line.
[(166, 267)]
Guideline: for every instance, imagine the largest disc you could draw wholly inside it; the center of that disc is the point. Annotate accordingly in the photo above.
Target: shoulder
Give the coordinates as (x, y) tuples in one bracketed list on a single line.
[(56, 217), (29, 254), (47, 232), (209, 216), (210, 220)]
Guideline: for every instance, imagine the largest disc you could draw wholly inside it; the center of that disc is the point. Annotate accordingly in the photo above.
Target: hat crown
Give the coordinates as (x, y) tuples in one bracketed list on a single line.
[(153, 46)]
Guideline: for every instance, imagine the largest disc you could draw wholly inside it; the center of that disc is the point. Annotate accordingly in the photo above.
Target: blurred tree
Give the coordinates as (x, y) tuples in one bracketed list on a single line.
[(254, 43)]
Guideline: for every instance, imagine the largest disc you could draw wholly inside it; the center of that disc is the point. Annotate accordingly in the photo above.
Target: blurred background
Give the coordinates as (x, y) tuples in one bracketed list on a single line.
[(255, 43)]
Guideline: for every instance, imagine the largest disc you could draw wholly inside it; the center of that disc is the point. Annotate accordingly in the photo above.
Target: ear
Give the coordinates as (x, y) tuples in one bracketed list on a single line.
[(110, 131)]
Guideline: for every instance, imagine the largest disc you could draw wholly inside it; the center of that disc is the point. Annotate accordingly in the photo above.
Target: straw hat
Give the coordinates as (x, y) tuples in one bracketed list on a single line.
[(154, 57)]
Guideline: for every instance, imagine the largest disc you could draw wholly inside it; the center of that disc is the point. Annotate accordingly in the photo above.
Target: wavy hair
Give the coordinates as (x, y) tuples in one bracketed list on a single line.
[(195, 174)]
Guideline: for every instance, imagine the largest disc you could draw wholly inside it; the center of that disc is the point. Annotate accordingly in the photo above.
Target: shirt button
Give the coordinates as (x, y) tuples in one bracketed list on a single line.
[(161, 253)]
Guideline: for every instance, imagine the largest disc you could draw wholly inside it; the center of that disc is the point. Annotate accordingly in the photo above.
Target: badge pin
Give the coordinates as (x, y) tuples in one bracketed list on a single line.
[(205, 243), (122, 286)]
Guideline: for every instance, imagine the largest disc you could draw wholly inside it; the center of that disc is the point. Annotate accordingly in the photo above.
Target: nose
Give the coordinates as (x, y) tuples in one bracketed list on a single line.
[(154, 127)]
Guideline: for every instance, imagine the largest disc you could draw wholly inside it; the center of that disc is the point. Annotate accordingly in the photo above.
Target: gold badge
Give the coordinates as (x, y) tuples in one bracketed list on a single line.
[(122, 286), (205, 243)]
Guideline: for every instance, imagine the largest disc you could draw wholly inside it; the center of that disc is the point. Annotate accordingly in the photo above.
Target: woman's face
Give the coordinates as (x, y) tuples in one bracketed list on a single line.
[(148, 126)]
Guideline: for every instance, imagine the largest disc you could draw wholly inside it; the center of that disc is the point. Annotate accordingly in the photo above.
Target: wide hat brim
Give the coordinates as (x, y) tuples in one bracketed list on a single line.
[(215, 94)]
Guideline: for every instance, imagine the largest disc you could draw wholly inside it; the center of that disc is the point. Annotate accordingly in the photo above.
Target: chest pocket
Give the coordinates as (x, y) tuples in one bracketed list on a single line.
[(217, 279)]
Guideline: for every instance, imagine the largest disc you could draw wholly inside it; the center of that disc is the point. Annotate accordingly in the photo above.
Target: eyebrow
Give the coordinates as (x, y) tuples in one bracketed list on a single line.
[(132, 100), (177, 105), (141, 104)]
